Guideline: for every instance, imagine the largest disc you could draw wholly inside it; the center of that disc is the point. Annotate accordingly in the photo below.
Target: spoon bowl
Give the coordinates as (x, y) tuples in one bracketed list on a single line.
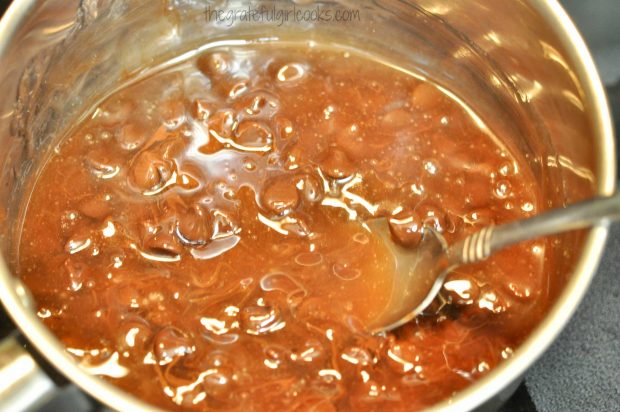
[(418, 275), (420, 272)]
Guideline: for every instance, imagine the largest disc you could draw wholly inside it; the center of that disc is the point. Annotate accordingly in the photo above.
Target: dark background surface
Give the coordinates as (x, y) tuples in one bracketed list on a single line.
[(581, 371)]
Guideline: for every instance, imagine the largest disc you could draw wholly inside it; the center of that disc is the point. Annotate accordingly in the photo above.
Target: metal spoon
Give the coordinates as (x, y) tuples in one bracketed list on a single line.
[(421, 272)]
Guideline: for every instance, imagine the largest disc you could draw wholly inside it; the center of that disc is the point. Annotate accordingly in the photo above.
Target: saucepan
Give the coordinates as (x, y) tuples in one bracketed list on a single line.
[(524, 57)]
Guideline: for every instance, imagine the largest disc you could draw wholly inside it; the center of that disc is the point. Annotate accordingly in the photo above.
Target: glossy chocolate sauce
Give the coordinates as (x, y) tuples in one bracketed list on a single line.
[(197, 240)]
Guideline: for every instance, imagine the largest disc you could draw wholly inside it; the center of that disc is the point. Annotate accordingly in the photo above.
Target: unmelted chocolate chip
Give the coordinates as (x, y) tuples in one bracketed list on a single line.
[(219, 67), (134, 333), (396, 119), (403, 357), (406, 227), (172, 113), (297, 226), (77, 273), (285, 129), (461, 289), (116, 111), (221, 384), (481, 217), (357, 355), (311, 351), (431, 215), (96, 207), (132, 135), (170, 343), (101, 164), (158, 239), (223, 224), (258, 104), (353, 141), (222, 123), (311, 187), (214, 65), (254, 136), (426, 97), (260, 320), (149, 172), (280, 195), (202, 109), (162, 244), (194, 227), (81, 239), (336, 165), (293, 156), (236, 87)]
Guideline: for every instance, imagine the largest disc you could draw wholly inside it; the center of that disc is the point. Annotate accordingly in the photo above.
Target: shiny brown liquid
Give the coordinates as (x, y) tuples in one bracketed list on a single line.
[(198, 242)]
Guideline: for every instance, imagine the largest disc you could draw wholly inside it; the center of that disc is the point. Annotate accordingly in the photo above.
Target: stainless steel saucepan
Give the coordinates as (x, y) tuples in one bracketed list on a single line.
[(523, 61)]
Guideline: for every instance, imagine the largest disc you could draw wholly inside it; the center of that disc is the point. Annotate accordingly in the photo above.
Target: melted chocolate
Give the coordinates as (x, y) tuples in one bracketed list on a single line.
[(197, 240)]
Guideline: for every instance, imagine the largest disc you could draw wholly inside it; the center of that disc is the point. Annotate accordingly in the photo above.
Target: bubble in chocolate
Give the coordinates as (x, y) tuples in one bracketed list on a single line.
[(285, 129), (502, 189)]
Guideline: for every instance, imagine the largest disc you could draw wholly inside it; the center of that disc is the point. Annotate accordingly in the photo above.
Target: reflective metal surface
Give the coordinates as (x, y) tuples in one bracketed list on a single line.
[(23, 385), (530, 44)]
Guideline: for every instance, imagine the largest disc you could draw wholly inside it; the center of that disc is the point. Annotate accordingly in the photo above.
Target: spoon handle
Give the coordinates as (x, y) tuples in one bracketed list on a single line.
[(482, 244)]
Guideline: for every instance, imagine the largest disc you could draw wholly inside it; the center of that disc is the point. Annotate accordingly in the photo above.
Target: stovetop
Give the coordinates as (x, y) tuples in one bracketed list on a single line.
[(581, 371)]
